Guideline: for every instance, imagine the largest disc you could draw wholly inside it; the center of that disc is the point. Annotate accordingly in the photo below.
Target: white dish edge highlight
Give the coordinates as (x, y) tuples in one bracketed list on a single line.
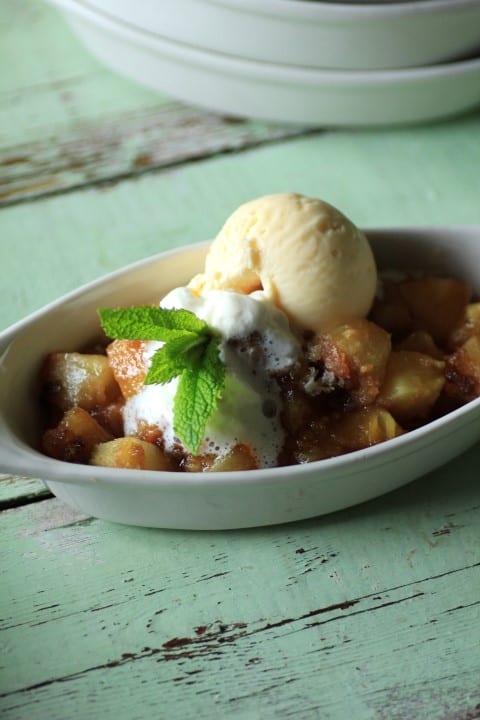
[(220, 500)]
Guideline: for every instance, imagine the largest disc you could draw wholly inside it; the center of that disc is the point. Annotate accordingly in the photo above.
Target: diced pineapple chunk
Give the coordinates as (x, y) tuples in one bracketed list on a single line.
[(240, 457), (75, 437), (127, 360), (315, 442), (468, 325), (130, 452), (357, 353), (150, 433), (422, 342), (436, 304), (412, 384), (367, 426), (197, 463), (78, 380), (298, 409), (391, 312), (463, 371), (111, 417)]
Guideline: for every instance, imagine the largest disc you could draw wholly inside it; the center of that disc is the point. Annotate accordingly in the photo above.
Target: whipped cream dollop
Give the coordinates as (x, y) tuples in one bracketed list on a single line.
[(256, 344)]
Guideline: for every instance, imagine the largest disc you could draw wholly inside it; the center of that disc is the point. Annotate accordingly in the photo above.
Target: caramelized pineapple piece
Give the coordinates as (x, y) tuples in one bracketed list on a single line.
[(111, 417), (240, 457), (298, 409), (127, 360), (130, 452), (390, 311), (150, 433), (422, 342), (436, 304), (357, 353), (367, 426), (463, 371), (197, 463), (78, 380), (329, 437), (315, 442), (466, 327), (75, 437), (412, 384)]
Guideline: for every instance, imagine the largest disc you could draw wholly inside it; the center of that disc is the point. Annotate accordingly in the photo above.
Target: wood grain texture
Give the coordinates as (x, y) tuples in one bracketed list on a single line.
[(370, 613), (125, 146)]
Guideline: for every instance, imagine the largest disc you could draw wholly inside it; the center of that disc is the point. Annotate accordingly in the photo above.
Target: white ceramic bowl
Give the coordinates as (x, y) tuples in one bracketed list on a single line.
[(311, 34), (279, 93), (220, 500)]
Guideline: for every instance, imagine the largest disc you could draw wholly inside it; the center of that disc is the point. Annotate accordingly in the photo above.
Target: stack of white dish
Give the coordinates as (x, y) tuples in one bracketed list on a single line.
[(295, 61)]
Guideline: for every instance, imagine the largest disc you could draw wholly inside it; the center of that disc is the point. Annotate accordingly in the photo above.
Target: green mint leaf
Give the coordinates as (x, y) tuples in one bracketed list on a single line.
[(150, 323), (191, 350), (174, 357), (199, 389)]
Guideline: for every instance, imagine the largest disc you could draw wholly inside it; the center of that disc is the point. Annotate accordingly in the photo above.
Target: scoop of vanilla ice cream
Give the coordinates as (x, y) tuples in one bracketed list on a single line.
[(307, 257)]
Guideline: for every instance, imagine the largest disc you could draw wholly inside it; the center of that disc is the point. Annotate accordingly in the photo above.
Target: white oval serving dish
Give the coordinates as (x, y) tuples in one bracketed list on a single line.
[(325, 35), (220, 500), (280, 93)]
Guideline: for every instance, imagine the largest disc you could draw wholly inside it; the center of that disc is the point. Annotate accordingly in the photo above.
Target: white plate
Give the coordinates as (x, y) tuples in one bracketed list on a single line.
[(316, 34), (279, 93), (220, 500)]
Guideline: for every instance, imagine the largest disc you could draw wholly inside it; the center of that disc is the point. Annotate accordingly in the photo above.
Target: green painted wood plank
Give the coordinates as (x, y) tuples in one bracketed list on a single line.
[(12, 488), (371, 613), (119, 147), (66, 121)]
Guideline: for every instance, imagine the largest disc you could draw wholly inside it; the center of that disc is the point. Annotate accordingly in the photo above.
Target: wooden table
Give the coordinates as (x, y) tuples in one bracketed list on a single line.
[(372, 613)]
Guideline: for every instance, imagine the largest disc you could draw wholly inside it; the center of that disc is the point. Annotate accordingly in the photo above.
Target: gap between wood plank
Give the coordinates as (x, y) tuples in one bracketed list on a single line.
[(21, 500)]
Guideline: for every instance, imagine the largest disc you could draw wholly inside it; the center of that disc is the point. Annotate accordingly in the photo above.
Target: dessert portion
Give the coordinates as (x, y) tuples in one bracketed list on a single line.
[(288, 348)]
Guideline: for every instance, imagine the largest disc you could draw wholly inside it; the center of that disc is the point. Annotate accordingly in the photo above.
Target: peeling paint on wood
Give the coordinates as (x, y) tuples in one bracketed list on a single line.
[(75, 136), (122, 147)]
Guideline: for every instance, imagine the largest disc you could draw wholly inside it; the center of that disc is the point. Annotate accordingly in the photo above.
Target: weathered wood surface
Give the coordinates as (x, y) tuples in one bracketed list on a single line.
[(372, 613), (369, 613), (65, 132)]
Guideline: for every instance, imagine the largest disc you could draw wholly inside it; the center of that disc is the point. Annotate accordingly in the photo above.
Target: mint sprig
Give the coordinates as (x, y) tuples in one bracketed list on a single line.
[(191, 351)]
